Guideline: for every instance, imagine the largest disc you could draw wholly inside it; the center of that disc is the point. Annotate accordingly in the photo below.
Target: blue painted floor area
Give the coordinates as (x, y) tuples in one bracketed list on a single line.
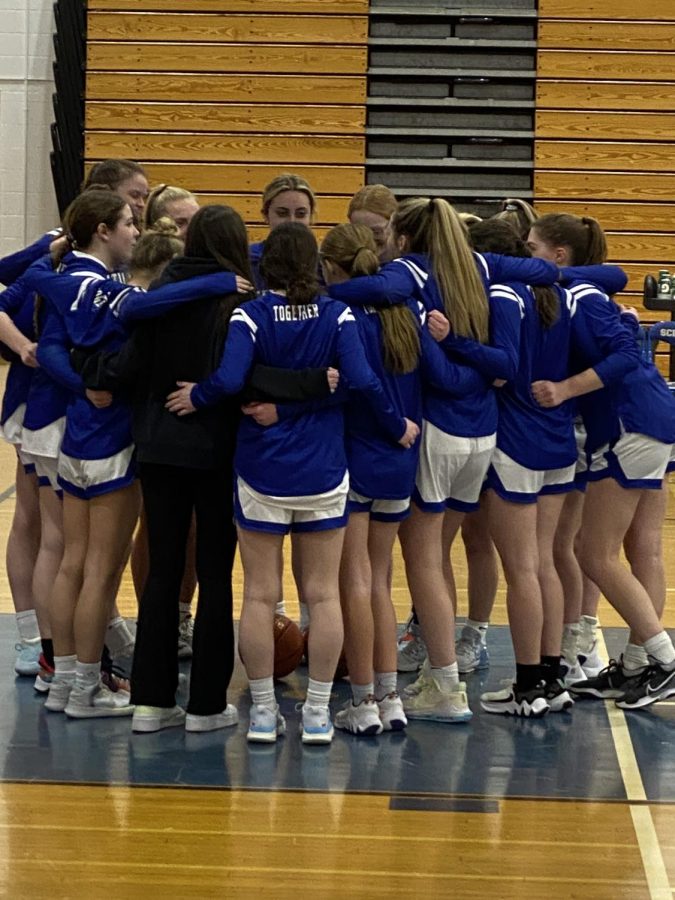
[(562, 756)]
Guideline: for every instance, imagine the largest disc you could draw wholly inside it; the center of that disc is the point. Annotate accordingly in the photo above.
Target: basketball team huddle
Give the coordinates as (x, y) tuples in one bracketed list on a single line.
[(176, 392)]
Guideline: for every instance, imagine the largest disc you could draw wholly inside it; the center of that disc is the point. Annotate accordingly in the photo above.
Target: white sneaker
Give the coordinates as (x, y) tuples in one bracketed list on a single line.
[(571, 673), (156, 718), (186, 629), (27, 658), (411, 650), (316, 726), (265, 724), (97, 701), (512, 702), (392, 715), (229, 716), (362, 718), (592, 663), (438, 702), (59, 692), (472, 654)]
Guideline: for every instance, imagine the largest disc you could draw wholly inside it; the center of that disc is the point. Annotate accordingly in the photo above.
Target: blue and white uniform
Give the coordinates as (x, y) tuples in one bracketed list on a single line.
[(382, 477), (13, 266), (458, 433), (89, 309), (17, 303), (630, 423), (293, 474), (536, 449)]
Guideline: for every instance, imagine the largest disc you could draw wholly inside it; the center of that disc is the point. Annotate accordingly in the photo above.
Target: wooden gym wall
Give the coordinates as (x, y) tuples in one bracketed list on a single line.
[(605, 126), (220, 96)]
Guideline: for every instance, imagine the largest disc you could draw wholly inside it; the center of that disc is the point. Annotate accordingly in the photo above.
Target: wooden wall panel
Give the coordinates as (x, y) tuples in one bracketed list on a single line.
[(220, 96), (605, 128)]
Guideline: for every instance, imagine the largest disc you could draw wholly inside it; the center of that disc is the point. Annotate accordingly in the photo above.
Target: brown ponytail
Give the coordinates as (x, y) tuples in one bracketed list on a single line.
[(352, 248)]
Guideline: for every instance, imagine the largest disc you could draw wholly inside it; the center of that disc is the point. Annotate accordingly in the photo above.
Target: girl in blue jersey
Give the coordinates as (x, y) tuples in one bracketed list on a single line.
[(373, 206), (381, 482), (87, 308), (631, 430), (438, 268), (292, 476), (287, 198), (532, 468), (18, 337)]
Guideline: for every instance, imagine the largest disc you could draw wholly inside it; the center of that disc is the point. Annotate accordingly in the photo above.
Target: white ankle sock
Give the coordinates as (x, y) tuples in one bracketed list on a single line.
[(660, 647), (64, 668), (634, 658), (478, 626), (318, 693), (27, 626), (385, 684), (446, 676), (87, 674), (262, 692), (280, 608), (118, 638), (184, 610), (360, 692)]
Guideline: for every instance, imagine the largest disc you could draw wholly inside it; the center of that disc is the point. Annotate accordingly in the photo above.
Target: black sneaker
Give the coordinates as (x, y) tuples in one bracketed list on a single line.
[(656, 684), (512, 702), (611, 683), (557, 696)]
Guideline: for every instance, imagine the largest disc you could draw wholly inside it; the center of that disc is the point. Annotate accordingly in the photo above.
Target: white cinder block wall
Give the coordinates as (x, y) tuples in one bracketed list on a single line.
[(27, 203)]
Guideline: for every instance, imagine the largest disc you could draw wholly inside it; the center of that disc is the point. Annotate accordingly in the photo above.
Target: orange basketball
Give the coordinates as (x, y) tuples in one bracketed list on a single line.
[(289, 646), (341, 672)]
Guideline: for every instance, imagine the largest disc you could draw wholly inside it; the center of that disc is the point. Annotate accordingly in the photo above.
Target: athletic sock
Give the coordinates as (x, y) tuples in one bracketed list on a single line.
[(482, 627), (570, 642), (119, 640), (318, 693), (589, 633), (87, 674), (446, 676), (262, 692), (634, 658), (550, 668), (385, 684), (280, 608), (361, 692), (527, 677), (64, 668), (660, 648), (27, 626), (48, 651)]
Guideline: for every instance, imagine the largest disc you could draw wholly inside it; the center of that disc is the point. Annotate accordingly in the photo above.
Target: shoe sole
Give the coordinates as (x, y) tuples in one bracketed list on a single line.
[(646, 701), (438, 717), (201, 727), (527, 713), (151, 725), (599, 695), (308, 737), (98, 713)]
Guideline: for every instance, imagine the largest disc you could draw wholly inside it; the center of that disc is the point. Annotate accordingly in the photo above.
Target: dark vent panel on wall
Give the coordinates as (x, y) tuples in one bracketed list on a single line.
[(69, 77), (450, 109)]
